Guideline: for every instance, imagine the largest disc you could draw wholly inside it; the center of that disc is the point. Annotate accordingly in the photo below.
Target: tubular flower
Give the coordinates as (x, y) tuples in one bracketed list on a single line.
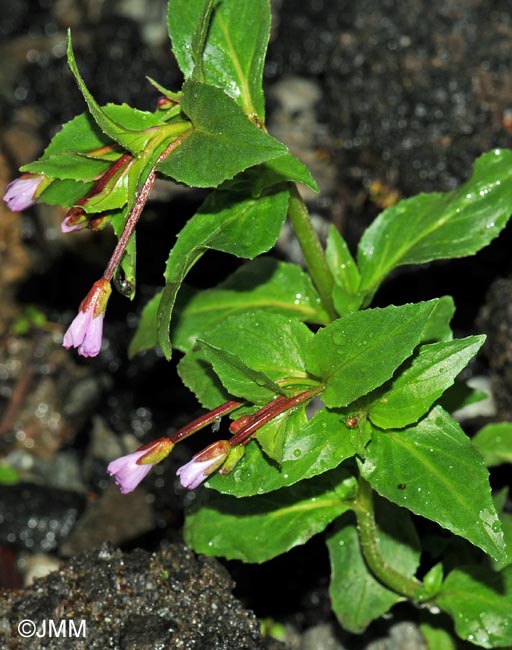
[(128, 471), (86, 331), (75, 219), (203, 464), (20, 193)]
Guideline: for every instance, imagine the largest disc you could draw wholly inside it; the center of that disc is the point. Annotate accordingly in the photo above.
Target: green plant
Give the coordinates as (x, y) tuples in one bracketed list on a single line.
[(273, 339)]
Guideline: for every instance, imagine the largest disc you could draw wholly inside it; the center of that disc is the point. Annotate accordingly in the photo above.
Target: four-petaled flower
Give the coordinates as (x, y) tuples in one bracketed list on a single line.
[(20, 193), (203, 464), (86, 331), (129, 470)]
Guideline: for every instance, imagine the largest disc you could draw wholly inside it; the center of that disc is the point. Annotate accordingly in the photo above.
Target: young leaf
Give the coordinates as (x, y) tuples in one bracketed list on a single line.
[(129, 259), (357, 597), (494, 442), (272, 436), (341, 263), (259, 528), (146, 334), (437, 638), (360, 351), (131, 128), (480, 603), (408, 397), (237, 377), (439, 226), (263, 284), (444, 476), (223, 143), (438, 327), (69, 165), (64, 193), (197, 375), (319, 446), (235, 49), (281, 169), (222, 223), (268, 343)]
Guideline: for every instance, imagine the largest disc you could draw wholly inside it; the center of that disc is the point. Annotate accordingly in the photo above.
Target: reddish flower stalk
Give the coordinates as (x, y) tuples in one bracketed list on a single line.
[(271, 411), (140, 202), (204, 420), (76, 217)]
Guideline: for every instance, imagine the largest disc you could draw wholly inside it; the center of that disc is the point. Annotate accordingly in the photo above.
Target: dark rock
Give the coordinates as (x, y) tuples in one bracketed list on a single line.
[(166, 600), (37, 517)]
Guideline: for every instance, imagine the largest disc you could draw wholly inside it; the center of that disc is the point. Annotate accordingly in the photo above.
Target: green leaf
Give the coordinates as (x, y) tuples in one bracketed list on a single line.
[(408, 397), (69, 165), (129, 259), (319, 446), (146, 334), (81, 135), (439, 226), (115, 195), (444, 476), (480, 603), (64, 193), (340, 261), (223, 143), (357, 597), (130, 128), (197, 375), (259, 528), (438, 327), (263, 284), (268, 343), (236, 44), (437, 638), (237, 377), (285, 168), (222, 224), (345, 295), (360, 351), (494, 442), (272, 436)]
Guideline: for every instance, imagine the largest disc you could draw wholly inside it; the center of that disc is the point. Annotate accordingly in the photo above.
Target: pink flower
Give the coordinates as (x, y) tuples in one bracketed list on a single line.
[(129, 470), (86, 331), (203, 464), (75, 219), (19, 193), (127, 473)]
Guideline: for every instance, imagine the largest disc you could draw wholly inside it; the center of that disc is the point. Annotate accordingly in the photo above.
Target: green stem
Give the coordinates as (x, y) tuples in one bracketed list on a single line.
[(311, 249), (368, 538)]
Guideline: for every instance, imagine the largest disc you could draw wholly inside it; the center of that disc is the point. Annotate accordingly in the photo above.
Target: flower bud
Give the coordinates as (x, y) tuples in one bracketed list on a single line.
[(75, 219), (203, 464), (20, 193)]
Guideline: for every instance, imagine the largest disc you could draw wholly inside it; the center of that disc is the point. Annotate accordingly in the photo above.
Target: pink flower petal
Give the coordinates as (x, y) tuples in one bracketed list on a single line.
[(19, 193)]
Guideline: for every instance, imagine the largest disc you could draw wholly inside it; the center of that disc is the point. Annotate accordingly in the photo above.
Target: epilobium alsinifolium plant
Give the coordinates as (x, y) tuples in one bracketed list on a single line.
[(272, 339)]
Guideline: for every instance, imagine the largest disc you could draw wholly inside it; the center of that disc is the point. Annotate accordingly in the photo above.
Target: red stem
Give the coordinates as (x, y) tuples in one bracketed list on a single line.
[(140, 202), (269, 412), (203, 420)]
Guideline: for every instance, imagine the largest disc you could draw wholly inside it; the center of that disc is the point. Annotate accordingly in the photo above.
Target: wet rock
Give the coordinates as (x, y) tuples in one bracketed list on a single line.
[(35, 517), (35, 566), (169, 600), (113, 517), (45, 396)]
